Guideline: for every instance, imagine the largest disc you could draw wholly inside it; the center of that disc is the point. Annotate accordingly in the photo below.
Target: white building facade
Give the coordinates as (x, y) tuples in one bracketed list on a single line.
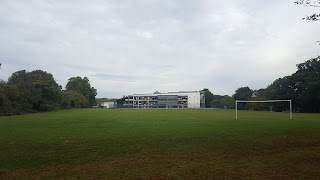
[(182, 99), (108, 105)]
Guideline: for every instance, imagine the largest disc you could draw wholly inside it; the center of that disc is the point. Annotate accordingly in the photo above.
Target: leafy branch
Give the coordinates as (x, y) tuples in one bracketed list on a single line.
[(313, 17), (310, 3), (314, 3)]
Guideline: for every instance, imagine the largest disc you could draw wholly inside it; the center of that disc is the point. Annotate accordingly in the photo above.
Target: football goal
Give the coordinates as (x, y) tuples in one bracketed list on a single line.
[(266, 101)]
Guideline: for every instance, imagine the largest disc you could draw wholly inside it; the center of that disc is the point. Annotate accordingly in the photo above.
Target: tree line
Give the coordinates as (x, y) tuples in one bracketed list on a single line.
[(36, 91), (302, 87), (26, 92)]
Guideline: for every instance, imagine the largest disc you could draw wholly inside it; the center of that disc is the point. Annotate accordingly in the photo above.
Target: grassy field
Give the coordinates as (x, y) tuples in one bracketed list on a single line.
[(160, 144)]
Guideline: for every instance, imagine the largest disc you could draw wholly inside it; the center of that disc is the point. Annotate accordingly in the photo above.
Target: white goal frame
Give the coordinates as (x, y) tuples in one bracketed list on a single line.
[(266, 101)]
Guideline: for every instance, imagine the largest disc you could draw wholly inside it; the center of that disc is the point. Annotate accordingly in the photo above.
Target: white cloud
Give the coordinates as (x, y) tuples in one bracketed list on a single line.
[(142, 46)]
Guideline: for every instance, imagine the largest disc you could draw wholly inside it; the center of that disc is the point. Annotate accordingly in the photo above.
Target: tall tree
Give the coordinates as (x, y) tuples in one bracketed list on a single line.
[(23, 81), (208, 97), (74, 99), (38, 91), (26, 92), (228, 102), (216, 101), (308, 85), (9, 98), (243, 93), (92, 96), (302, 87), (83, 87), (282, 88), (47, 90)]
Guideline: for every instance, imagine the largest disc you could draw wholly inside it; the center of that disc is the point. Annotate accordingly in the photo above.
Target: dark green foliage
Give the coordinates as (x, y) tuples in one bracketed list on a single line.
[(208, 97), (83, 87), (23, 81), (258, 95), (92, 96), (74, 99), (307, 85), (46, 91), (33, 91), (302, 87), (8, 99), (243, 93), (227, 102), (217, 101), (36, 91)]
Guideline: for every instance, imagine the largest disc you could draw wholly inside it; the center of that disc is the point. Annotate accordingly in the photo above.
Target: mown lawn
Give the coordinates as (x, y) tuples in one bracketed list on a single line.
[(160, 144)]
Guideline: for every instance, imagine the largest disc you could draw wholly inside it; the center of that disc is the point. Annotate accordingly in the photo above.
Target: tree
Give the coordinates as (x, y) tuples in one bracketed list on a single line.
[(258, 95), (243, 93), (307, 81), (227, 102), (46, 89), (309, 3), (74, 99), (26, 92), (9, 95), (92, 96), (309, 99), (79, 85), (302, 87), (282, 88), (83, 87), (216, 101), (208, 97), (32, 91), (27, 96)]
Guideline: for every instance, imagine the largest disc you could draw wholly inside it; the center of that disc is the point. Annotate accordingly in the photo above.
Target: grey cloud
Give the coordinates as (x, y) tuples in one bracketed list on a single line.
[(114, 77), (126, 46)]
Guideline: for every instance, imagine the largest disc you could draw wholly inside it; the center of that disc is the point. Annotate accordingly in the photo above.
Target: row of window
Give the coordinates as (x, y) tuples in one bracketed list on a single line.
[(181, 98)]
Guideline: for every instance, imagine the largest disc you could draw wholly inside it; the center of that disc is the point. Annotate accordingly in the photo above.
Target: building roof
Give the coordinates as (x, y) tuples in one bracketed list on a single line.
[(168, 93)]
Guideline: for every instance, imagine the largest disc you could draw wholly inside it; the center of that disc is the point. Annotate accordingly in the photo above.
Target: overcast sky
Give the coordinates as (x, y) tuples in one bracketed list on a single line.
[(142, 46)]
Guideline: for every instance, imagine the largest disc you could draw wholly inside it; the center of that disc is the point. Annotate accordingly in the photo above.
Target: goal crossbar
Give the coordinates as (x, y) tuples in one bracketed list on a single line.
[(264, 101)]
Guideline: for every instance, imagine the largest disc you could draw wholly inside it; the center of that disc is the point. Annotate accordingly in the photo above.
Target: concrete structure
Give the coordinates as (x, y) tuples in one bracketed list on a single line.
[(108, 104), (182, 99)]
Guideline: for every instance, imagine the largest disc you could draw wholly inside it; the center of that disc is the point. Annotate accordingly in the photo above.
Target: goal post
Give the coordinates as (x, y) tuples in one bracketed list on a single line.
[(266, 101)]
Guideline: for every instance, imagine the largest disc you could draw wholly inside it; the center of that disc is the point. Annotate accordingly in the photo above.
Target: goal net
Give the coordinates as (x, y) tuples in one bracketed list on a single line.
[(266, 101)]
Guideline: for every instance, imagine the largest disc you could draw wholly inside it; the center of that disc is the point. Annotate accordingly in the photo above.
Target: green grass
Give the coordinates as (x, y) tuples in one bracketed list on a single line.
[(160, 144)]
